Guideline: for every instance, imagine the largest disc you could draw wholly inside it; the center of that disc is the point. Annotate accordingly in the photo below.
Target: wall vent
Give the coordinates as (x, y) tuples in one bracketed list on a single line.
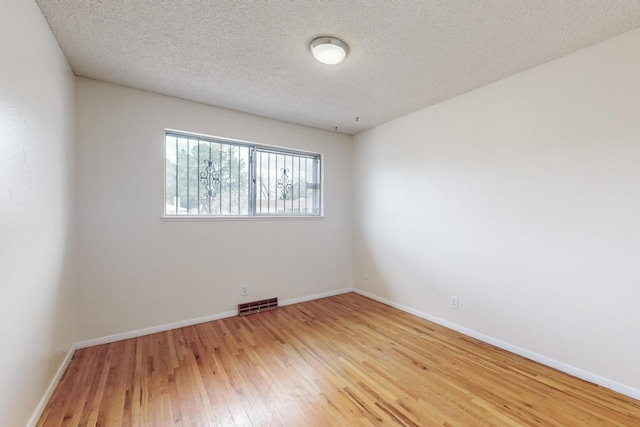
[(257, 306)]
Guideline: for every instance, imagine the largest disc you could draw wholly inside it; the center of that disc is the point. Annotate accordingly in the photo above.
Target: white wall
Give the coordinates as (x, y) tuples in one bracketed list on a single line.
[(37, 311), (136, 271), (522, 198)]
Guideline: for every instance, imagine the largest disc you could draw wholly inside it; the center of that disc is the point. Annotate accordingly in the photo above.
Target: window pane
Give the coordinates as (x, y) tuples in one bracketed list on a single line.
[(211, 177), (205, 177), (287, 184)]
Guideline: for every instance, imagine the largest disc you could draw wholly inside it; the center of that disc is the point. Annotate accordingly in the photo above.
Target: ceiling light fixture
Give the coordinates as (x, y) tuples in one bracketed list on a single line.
[(329, 50)]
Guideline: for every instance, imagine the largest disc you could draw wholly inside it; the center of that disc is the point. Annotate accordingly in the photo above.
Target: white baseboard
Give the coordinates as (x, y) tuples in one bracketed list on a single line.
[(314, 297), (154, 329), (571, 370), (182, 323), (35, 417)]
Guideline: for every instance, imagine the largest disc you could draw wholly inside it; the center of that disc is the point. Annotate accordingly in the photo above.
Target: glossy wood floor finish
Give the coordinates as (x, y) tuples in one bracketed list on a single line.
[(343, 361)]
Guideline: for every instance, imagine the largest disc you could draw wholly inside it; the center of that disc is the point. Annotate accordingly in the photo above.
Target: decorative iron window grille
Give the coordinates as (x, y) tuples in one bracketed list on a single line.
[(207, 176)]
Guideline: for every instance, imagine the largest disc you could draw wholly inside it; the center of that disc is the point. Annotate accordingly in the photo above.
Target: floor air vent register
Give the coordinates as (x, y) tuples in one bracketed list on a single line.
[(257, 306)]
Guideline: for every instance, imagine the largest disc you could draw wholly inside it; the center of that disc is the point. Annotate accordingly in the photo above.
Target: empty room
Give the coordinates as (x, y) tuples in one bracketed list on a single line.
[(319, 213)]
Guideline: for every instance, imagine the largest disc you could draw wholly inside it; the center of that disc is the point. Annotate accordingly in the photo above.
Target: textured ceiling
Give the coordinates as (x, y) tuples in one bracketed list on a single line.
[(253, 56)]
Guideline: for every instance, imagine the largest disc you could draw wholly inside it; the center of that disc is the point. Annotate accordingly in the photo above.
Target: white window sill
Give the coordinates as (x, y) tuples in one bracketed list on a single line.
[(192, 218)]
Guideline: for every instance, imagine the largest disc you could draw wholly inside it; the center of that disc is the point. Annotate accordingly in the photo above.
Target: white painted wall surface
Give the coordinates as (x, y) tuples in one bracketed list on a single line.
[(137, 271), (37, 311), (522, 198)]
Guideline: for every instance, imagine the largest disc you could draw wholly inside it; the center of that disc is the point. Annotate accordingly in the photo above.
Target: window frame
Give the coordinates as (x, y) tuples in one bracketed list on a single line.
[(253, 149)]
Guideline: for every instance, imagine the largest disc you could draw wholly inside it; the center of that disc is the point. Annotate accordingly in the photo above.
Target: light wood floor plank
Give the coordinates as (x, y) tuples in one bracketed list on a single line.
[(343, 360)]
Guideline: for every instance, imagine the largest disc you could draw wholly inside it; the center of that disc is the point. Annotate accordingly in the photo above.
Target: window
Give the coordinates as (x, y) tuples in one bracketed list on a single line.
[(215, 177)]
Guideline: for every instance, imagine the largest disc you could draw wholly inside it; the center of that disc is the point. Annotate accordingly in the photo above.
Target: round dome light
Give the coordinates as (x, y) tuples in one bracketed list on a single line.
[(329, 50)]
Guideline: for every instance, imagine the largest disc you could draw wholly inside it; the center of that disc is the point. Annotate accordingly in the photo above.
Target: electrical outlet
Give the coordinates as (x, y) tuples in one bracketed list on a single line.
[(454, 303), (244, 290)]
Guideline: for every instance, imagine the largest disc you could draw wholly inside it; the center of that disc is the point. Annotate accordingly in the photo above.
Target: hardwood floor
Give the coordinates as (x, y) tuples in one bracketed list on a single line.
[(343, 360)]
